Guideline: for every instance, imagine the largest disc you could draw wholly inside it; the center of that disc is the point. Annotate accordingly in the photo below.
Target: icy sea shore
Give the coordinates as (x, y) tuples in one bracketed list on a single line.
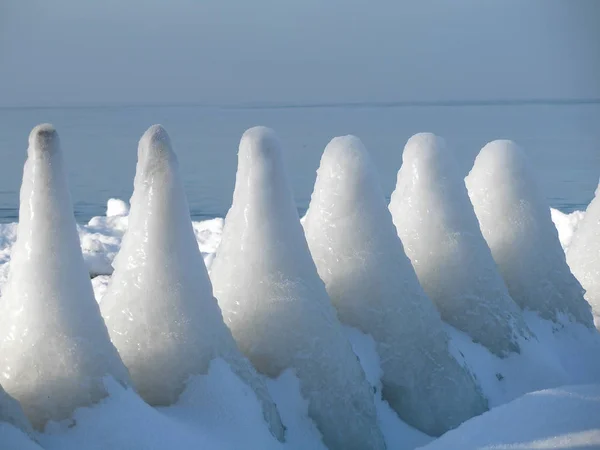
[(214, 404), (538, 377)]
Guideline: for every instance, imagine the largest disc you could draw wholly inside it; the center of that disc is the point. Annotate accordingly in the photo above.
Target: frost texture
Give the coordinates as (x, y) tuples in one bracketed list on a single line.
[(583, 255), (54, 346), (276, 305), (374, 288), (441, 236), (516, 223), (159, 306)]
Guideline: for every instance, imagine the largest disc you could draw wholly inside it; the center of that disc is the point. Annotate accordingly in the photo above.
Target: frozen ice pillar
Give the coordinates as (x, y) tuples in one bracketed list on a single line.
[(276, 306), (159, 306), (441, 236), (54, 346), (374, 288), (515, 221), (583, 255)]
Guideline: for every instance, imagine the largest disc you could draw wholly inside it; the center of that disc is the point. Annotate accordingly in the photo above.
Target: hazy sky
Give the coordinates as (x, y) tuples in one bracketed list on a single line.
[(58, 52)]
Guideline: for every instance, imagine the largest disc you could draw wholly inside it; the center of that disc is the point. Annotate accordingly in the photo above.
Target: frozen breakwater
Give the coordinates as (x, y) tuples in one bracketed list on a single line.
[(330, 332)]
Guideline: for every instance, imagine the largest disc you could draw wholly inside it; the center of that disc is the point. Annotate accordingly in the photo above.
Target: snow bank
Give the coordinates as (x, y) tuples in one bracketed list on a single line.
[(516, 223), (158, 306), (583, 255), (374, 288), (54, 346), (437, 225), (276, 306), (561, 418)]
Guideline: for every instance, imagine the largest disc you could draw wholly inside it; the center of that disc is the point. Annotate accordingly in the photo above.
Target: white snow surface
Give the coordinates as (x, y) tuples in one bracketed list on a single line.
[(583, 255), (276, 305), (158, 306), (54, 345), (374, 288), (562, 418), (516, 223), (441, 236)]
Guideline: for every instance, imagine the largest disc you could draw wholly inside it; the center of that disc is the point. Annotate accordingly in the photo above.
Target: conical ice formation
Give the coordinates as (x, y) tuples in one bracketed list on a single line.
[(441, 236), (159, 306), (515, 221), (54, 346), (374, 288), (276, 305), (583, 255)]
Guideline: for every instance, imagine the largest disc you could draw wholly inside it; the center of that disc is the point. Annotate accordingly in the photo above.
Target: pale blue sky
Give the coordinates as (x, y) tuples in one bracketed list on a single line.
[(63, 52)]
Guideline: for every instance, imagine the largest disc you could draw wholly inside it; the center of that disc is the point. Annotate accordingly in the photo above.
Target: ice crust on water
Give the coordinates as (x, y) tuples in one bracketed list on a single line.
[(516, 223), (277, 307), (441, 236), (374, 288), (54, 346), (159, 306), (583, 255)]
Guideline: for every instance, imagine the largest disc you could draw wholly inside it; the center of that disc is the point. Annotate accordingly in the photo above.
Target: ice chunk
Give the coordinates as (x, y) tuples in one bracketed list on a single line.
[(583, 255), (159, 306), (374, 288), (276, 305), (515, 221), (441, 236), (54, 346)]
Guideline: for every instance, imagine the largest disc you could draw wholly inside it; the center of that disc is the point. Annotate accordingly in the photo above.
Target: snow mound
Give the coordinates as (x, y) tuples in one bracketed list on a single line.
[(158, 306), (583, 255), (562, 418), (516, 223), (441, 236), (374, 288), (54, 346), (277, 307)]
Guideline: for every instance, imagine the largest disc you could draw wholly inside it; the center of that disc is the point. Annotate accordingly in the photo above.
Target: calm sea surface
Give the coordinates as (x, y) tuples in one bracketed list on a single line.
[(100, 146)]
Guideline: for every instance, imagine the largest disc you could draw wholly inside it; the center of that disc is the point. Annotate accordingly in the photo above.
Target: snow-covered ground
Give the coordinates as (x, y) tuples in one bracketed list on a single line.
[(214, 404)]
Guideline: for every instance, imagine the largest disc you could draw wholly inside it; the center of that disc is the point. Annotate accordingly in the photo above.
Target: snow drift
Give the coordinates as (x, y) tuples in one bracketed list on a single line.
[(561, 418), (583, 255), (276, 305), (54, 346), (441, 236), (515, 221), (374, 288), (159, 307)]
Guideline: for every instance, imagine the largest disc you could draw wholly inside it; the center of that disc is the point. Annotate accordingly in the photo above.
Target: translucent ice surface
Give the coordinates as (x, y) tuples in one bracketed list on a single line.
[(441, 236), (159, 306), (277, 307), (515, 220), (54, 347), (374, 288)]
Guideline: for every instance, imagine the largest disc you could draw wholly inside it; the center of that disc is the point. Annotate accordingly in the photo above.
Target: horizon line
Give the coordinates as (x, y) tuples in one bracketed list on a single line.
[(308, 105)]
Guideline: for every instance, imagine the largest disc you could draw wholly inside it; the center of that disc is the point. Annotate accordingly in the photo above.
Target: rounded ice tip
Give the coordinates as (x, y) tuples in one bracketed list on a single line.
[(424, 146), (259, 141), (43, 139), (345, 149), (154, 142)]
